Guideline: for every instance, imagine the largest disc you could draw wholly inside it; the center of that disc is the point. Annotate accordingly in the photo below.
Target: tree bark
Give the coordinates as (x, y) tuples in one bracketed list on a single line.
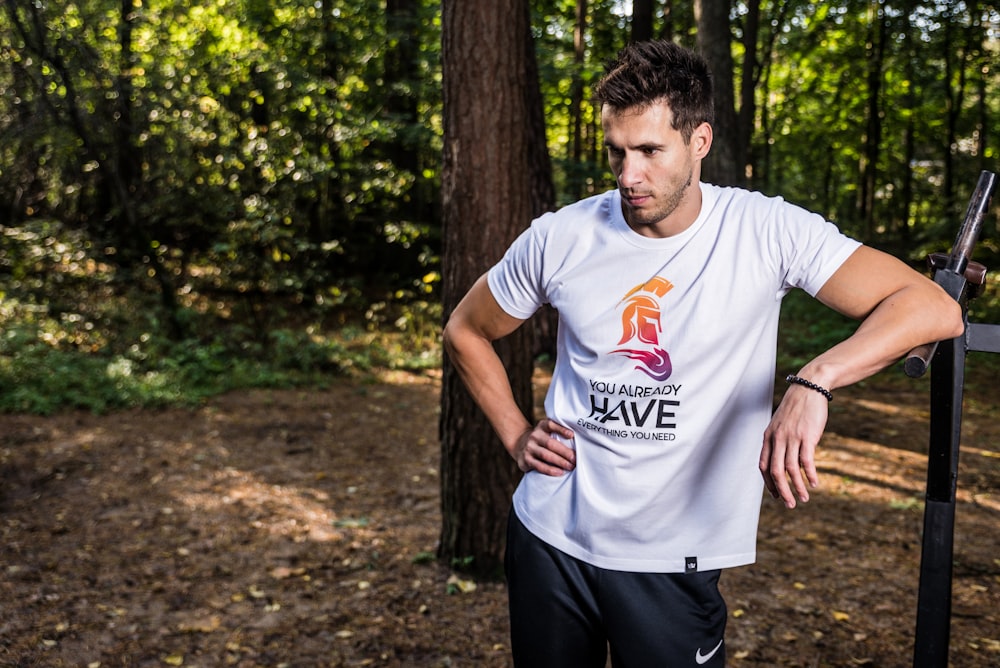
[(715, 44), (875, 48), (495, 179), (577, 92), (642, 20), (748, 86)]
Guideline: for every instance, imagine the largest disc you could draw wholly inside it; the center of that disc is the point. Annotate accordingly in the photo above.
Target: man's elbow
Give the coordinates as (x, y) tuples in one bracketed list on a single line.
[(949, 318), (448, 337), (457, 336)]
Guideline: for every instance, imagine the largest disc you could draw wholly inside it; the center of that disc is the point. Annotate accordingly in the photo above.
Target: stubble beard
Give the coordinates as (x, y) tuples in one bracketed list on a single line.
[(637, 218)]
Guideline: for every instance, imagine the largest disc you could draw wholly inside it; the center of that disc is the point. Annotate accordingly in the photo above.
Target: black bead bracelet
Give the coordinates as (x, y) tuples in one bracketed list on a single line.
[(795, 380)]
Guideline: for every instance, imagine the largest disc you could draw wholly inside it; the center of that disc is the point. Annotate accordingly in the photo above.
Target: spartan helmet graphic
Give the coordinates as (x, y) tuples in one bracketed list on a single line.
[(641, 325)]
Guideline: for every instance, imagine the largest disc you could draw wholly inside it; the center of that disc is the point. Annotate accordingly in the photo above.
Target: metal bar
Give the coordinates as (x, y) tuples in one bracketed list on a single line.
[(947, 382), (933, 627), (982, 338), (961, 253)]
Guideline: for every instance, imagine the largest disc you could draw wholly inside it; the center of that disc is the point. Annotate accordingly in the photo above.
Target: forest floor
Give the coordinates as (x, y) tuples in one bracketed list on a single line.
[(295, 528)]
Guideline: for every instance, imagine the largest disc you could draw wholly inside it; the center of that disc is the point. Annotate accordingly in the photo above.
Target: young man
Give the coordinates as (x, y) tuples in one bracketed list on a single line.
[(640, 483)]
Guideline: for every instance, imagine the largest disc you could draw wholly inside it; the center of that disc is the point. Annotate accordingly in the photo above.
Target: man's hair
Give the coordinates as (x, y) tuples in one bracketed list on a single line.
[(646, 73)]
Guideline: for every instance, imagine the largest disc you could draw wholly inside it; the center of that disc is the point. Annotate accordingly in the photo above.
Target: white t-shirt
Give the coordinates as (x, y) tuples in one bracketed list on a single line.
[(664, 370)]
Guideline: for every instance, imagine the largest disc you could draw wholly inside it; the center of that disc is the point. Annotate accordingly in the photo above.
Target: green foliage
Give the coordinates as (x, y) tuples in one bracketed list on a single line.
[(806, 329), (50, 363), (201, 196)]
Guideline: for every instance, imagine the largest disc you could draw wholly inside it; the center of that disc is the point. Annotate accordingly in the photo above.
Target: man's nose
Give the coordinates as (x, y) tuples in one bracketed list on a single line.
[(629, 173)]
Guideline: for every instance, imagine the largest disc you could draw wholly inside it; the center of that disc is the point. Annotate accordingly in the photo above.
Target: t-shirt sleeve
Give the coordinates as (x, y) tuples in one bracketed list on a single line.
[(813, 249), (516, 280)]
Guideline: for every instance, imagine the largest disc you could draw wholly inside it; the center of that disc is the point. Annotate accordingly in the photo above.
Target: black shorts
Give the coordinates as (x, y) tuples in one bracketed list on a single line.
[(567, 613)]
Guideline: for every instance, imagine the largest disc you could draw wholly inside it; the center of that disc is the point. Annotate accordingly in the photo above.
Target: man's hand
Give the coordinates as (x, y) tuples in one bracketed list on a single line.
[(539, 449), (790, 445)]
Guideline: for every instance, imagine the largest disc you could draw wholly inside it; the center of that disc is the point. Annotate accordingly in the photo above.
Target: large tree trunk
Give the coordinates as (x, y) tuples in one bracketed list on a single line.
[(642, 20), (715, 44), (401, 67), (496, 178), (577, 92), (748, 87), (875, 47)]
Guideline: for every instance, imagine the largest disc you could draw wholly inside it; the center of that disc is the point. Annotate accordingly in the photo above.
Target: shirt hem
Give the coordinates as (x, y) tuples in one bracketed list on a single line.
[(668, 565)]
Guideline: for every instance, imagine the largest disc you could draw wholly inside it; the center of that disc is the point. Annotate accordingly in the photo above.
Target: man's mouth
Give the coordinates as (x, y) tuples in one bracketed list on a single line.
[(635, 199)]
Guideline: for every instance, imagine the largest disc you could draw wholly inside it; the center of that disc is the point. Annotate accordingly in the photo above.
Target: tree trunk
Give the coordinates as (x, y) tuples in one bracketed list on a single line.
[(667, 27), (715, 44), (495, 179), (401, 68), (748, 86), (956, 56), (873, 131), (577, 92), (642, 20)]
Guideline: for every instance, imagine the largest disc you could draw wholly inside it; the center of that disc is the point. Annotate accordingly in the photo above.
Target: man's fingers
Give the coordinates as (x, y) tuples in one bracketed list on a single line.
[(792, 467), (765, 470), (546, 450), (788, 472), (545, 460)]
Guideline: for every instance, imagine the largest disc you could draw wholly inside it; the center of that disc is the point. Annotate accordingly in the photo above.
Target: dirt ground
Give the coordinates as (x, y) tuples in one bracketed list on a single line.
[(294, 528)]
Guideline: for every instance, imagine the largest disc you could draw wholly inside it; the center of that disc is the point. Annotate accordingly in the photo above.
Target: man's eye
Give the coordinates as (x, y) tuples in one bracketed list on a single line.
[(650, 151)]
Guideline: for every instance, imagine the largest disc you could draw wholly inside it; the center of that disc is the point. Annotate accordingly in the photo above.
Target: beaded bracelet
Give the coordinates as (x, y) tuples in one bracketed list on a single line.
[(795, 380)]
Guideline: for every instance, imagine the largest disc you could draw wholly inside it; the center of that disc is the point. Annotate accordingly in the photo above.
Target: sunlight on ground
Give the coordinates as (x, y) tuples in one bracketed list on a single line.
[(891, 409), (864, 469), (281, 511)]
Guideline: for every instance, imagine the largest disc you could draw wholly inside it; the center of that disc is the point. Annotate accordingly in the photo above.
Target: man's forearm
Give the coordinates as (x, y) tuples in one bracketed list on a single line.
[(485, 378), (913, 316)]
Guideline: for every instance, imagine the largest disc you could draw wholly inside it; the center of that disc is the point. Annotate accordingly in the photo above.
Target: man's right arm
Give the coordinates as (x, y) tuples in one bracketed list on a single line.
[(468, 337)]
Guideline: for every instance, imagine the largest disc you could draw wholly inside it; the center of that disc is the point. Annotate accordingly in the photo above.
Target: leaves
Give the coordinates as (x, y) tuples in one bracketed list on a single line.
[(457, 585)]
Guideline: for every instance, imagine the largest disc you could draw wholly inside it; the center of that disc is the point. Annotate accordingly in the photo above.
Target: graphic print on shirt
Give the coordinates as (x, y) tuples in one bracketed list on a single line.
[(641, 328), (644, 409)]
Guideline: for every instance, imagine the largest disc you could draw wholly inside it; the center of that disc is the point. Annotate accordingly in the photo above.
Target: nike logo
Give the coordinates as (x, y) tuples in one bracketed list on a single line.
[(700, 658)]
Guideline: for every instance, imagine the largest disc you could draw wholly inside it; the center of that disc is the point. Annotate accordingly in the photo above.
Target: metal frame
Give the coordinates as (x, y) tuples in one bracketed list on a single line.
[(961, 279)]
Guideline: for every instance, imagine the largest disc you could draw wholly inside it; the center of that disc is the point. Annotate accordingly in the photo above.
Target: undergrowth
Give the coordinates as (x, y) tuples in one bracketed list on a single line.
[(808, 328), (49, 362), (52, 360)]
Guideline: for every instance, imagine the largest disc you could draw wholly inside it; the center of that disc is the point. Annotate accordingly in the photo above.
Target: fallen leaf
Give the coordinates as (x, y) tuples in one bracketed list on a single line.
[(456, 583), (199, 623), (840, 616), (283, 572)]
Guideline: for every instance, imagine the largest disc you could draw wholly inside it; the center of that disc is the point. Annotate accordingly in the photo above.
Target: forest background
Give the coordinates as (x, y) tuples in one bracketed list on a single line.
[(238, 194), (234, 193), (263, 197)]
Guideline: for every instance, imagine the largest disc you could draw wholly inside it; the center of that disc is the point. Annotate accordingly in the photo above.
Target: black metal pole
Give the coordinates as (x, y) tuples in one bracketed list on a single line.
[(954, 274), (934, 597)]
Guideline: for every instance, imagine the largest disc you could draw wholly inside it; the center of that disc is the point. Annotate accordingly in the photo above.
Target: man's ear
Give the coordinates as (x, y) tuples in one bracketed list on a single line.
[(701, 141)]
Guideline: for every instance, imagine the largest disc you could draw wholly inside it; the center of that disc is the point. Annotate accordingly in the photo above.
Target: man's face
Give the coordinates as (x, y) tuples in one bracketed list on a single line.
[(656, 170)]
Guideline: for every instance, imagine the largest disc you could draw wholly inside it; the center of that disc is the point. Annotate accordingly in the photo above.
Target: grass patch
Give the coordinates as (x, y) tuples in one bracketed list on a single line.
[(808, 328), (50, 363)]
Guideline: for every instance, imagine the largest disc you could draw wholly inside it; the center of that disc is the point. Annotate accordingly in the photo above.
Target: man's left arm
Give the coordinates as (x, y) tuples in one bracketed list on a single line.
[(900, 309)]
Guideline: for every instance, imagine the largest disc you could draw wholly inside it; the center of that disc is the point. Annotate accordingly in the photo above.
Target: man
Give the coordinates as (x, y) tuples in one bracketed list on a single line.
[(639, 483)]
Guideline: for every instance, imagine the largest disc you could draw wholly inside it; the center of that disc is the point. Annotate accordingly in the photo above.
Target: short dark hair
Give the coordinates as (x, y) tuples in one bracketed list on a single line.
[(645, 73)]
